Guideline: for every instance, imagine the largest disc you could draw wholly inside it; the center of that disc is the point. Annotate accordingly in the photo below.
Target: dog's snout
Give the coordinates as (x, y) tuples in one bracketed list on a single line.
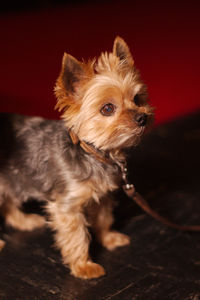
[(141, 119)]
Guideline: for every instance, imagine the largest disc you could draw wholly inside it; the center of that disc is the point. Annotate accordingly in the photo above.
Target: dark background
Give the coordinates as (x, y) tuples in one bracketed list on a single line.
[(164, 37)]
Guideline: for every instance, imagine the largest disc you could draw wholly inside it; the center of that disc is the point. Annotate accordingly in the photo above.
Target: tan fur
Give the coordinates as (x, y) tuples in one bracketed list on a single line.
[(81, 200), (101, 219), (113, 80), (19, 220)]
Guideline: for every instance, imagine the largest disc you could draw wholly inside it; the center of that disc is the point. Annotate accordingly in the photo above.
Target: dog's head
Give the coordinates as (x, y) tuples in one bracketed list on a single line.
[(104, 101)]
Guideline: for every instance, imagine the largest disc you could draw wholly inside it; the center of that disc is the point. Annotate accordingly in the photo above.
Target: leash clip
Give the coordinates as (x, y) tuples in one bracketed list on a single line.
[(128, 187)]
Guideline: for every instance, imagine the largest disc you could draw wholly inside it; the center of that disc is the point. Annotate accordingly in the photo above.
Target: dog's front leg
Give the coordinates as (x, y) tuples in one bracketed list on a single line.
[(72, 238), (101, 219)]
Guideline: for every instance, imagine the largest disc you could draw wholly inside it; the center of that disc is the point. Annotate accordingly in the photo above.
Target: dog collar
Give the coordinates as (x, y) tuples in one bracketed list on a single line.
[(90, 149), (128, 187)]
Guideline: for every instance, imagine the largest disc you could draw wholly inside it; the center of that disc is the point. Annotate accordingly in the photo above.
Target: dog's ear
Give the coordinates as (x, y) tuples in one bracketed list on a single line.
[(71, 73), (121, 50)]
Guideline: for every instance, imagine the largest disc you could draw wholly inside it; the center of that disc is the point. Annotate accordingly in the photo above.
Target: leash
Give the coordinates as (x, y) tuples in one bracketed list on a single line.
[(129, 188), (130, 191)]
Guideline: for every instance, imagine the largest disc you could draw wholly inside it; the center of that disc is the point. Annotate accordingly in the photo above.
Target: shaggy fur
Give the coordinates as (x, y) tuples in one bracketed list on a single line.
[(104, 104)]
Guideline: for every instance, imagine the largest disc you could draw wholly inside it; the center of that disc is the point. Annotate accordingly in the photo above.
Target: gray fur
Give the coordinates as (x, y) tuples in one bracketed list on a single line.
[(35, 156)]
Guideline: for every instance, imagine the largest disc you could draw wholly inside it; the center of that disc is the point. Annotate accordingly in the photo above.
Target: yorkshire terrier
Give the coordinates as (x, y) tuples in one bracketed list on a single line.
[(75, 163)]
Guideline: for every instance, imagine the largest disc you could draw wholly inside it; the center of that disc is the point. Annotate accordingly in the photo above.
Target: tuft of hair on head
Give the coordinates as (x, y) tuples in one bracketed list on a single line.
[(119, 60)]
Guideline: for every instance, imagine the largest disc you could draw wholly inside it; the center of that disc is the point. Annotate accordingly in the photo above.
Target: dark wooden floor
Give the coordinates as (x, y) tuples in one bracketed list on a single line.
[(160, 264)]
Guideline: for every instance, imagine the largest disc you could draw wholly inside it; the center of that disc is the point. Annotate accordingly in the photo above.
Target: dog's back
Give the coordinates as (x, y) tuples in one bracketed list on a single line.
[(26, 147)]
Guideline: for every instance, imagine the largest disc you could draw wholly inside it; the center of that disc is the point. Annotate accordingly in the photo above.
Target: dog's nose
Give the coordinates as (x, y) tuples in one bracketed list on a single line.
[(141, 119)]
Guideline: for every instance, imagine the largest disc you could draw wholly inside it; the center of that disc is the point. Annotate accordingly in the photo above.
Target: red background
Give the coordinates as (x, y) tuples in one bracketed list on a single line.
[(164, 37)]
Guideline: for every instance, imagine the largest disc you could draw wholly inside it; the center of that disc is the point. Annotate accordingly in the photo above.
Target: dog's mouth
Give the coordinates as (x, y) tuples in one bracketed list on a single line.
[(137, 135), (141, 130), (133, 138), (127, 138)]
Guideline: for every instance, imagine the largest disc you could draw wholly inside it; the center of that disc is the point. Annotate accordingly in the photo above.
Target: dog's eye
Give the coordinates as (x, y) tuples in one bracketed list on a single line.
[(108, 109), (137, 100)]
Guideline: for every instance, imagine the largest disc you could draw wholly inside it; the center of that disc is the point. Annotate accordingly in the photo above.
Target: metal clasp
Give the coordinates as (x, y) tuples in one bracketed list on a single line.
[(127, 185)]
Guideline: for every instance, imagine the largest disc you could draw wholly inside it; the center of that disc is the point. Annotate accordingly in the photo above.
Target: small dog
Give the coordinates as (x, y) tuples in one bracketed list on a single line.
[(75, 163)]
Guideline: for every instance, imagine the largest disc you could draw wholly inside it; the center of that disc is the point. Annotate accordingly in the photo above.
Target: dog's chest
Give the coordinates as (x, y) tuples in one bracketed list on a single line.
[(88, 177), (102, 182)]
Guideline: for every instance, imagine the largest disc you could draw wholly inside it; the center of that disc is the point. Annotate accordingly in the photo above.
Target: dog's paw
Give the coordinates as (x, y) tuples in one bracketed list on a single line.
[(87, 270), (33, 221), (25, 222), (22, 221), (114, 239)]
